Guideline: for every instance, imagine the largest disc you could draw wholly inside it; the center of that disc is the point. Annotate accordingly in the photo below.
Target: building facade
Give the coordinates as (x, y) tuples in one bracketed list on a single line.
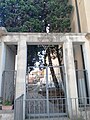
[(80, 16)]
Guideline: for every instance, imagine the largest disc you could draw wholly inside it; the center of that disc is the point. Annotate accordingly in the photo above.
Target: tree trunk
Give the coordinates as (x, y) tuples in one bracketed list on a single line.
[(59, 60), (52, 70)]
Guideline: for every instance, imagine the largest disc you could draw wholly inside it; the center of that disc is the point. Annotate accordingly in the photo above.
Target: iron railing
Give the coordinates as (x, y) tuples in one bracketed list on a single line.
[(41, 89), (45, 100), (80, 110), (8, 85), (37, 108), (18, 108), (42, 80), (58, 109), (82, 85)]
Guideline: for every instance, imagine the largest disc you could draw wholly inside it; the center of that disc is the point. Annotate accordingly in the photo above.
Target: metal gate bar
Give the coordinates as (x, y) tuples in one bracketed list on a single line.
[(81, 111), (43, 99)]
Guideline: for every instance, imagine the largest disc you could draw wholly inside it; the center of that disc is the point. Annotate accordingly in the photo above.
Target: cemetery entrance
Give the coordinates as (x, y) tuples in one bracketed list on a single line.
[(45, 92)]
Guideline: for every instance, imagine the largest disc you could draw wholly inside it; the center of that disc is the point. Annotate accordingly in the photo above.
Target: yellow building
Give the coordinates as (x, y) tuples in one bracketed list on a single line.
[(81, 16)]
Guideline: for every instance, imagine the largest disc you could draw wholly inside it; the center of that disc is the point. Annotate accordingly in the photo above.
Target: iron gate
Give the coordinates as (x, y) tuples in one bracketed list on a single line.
[(45, 92)]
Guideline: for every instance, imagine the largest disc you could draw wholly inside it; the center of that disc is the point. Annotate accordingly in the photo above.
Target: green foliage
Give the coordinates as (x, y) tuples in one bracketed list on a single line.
[(7, 103), (28, 15)]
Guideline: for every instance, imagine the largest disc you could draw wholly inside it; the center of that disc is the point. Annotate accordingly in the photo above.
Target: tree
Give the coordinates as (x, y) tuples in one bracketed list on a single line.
[(53, 52), (33, 16), (21, 15)]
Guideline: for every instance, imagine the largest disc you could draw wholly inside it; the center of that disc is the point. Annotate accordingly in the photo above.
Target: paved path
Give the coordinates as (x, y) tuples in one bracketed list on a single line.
[(6, 115)]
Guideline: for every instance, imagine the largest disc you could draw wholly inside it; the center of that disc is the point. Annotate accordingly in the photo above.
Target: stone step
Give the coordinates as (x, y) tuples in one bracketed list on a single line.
[(57, 118), (6, 111), (6, 115)]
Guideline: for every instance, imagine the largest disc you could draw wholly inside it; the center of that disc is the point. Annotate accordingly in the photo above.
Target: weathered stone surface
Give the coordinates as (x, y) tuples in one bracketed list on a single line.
[(2, 31), (6, 115)]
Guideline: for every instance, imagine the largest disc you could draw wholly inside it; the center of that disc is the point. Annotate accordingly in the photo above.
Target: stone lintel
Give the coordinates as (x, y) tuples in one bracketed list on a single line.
[(37, 38)]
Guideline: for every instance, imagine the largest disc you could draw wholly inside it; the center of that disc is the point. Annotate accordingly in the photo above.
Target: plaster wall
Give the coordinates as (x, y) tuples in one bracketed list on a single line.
[(84, 16), (10, 58), (74, 20), (87, 9)]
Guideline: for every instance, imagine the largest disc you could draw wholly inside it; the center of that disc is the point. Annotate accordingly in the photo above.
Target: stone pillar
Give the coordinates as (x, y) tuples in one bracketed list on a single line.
[(2, 63), (71, 85), (86, 53), (21, 70), (21, 67)]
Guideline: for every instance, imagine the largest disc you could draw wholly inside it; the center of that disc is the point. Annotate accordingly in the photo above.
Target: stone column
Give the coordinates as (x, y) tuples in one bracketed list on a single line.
[(2, 63), (86, 53), (21, 67), (71, 85), (21, 70)]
